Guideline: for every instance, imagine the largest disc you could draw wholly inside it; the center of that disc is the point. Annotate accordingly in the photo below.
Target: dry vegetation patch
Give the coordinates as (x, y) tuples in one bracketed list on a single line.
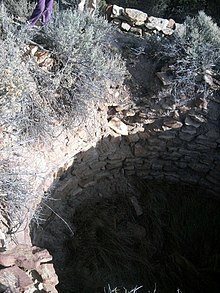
[(38, 101)]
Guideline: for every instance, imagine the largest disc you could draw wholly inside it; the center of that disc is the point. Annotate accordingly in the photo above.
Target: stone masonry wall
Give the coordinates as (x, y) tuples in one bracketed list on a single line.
[(186, 152), (180, 150), (140, 23)]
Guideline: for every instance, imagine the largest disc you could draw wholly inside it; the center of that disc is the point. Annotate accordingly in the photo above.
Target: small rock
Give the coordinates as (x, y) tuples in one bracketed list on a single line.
[(118, 126), (176, 114), (167, 31), (136, 205), (165, 78), (117, 94), (117, 11), (165, 128), (114, 134), (139, 128), (167, 107), (25, 256), (33, 50), (149, 121), (49, 277), (125, 26), (2, 237), (171, 23), (129, 113), (41, 56), (192, 122), (117, 22), (7, 260), (76, 191), (146, 33), (136, 31), (143, 115), (14, 277), (199, 118), (81, 133), (173, 124)]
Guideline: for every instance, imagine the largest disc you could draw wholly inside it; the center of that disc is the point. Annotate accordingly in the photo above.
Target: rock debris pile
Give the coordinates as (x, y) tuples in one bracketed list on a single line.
[(26, 269)]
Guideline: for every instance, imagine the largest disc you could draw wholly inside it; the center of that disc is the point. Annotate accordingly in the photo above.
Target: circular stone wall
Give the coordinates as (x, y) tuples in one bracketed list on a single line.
[(146, 192)]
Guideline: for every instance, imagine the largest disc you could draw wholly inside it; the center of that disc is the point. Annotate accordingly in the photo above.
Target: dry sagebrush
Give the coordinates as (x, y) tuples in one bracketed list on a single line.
[(190, 54), (33, 101)]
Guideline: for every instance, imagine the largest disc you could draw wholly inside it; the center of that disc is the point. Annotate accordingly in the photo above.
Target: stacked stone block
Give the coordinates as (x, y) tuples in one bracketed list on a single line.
[(139, 23)]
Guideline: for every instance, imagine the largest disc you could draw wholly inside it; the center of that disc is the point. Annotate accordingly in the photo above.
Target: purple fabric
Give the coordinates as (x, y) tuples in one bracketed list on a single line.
[(43, 9)]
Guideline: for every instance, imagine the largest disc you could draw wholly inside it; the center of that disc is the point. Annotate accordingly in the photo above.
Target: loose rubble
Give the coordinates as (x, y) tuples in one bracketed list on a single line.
[(27, 269)]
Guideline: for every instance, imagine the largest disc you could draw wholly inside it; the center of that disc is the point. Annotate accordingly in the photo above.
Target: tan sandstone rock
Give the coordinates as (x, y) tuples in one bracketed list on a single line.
[(118, 126), (125, 26), (136, 16)]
